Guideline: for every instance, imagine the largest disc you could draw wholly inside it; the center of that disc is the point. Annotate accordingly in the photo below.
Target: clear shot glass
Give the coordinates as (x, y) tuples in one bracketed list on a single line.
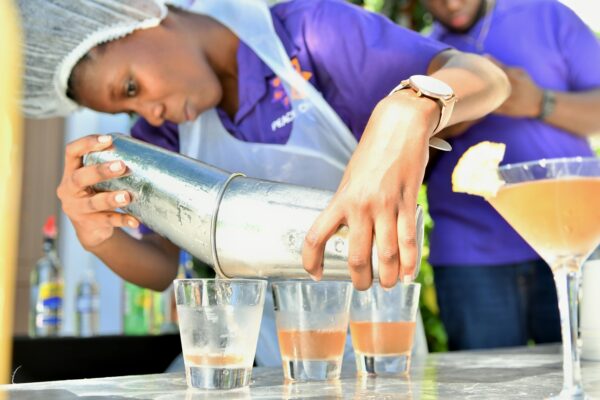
[(219, 322), (312, 323), (382, 327)]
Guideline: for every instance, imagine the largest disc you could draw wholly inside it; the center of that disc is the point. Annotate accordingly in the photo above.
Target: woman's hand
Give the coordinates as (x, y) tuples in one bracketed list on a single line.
[(93, 214), (378, 193), (377, 196)]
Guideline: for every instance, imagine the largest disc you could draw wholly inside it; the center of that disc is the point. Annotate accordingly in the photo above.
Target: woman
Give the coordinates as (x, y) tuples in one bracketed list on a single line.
[(213, 81)]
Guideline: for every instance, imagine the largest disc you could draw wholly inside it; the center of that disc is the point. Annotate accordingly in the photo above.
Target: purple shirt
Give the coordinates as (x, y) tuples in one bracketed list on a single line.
[(354, 58), (559, 52)]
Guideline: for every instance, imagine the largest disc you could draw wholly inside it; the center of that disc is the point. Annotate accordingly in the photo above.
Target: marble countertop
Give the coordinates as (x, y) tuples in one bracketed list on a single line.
[(515, 373)]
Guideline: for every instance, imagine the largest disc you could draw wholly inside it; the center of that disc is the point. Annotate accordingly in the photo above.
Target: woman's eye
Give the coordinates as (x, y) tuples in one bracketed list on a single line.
[(130, 88)]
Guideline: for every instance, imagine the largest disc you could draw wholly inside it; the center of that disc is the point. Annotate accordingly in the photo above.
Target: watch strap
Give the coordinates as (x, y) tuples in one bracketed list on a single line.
[(435, 142), (548, 104)]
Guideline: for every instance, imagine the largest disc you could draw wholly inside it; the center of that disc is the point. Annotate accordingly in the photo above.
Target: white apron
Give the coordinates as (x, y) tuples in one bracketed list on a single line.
[(318, 149)]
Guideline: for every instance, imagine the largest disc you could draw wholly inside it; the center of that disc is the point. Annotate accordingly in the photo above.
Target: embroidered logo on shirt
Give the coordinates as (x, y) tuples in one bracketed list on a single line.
[(279, 94)]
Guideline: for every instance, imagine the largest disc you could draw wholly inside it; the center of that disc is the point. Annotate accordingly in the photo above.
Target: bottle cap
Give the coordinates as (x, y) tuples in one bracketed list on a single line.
[(49, 229)]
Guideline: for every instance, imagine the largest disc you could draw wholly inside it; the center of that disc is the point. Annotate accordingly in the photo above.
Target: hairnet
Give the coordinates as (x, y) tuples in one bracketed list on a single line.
[(59, 32)]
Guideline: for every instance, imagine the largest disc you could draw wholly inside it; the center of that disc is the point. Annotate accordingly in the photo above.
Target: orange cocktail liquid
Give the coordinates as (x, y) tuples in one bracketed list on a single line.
[(382, 338), (311, 344), (557, 217), (214, 360)]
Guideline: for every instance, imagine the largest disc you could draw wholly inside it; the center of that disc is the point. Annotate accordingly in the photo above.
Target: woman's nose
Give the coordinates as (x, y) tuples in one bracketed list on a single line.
[(155, 114)]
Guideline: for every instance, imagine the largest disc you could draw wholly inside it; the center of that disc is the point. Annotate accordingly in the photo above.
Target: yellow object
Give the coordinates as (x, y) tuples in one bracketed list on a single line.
[(476, 172), (10, 175)]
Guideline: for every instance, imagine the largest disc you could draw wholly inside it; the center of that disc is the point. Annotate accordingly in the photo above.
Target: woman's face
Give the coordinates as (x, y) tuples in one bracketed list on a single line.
[(456, 15), (153, 73)]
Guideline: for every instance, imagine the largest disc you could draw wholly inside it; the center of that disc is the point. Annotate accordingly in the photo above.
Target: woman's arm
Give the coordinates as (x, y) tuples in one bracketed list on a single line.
[(149, 262), (479, 85), (377, 196)]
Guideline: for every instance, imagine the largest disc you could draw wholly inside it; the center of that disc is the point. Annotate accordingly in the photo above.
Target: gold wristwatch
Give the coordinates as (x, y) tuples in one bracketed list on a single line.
[(439, 91)]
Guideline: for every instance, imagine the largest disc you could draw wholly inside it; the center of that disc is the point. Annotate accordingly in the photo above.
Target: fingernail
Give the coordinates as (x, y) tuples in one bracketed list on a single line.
[(387, 289), (132, 223), (120, 198), (116, 166), (104, 138)]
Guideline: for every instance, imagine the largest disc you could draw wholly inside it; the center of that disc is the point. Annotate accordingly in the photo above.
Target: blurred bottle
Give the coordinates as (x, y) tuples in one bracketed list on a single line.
[(150, 312), (186, 265), (169, 307), (169, 311), (157, 317), (87, 305), (46, 285), (136, 316)]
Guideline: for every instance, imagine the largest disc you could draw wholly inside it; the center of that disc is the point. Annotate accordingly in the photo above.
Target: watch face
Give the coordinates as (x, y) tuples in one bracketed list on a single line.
[(430, 86)]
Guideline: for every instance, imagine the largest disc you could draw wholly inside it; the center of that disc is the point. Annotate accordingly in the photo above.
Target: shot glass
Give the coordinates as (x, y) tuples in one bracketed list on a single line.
[(312, 322), (382, 327), (219, 322)]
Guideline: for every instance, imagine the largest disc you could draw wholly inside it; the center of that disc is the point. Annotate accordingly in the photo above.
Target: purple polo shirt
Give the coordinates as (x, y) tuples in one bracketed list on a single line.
[(550, 42), (353, 57)]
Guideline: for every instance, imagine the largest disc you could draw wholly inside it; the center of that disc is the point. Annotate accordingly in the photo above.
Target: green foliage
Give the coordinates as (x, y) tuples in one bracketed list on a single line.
[(408, 13), (596, 144), (437, 339)]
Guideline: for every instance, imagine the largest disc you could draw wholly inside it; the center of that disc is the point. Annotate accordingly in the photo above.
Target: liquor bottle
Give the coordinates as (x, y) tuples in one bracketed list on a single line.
[(87, 305), (46, 296)]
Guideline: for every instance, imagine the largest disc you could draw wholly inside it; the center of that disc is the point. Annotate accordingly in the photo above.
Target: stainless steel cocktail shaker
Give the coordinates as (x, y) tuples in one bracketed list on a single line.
[(243, 227)]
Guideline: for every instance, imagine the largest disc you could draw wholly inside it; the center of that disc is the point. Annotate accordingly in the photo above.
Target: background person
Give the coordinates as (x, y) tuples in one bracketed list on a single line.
[(493, 289)]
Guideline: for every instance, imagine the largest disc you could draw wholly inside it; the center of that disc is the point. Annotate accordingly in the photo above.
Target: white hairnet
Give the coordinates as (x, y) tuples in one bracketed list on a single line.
[(59, 32)]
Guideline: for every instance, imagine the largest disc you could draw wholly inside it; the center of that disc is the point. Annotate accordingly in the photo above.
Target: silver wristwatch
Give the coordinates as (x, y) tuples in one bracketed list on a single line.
[(439, 91)]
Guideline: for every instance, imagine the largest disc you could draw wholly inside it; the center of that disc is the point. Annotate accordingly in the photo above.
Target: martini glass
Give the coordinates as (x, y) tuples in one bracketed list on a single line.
[(554, 205)]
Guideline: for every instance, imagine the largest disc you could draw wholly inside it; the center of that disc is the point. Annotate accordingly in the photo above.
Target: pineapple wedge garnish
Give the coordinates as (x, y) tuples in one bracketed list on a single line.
[(476, 172)]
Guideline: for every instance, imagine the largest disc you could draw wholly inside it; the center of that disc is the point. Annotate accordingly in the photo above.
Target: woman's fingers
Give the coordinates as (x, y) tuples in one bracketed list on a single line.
[(98, 227), (84, 177), (360, 243), (75, 150), (106, 201), (77, 179), (407, 241), (113, 219), (394, 233), (92, 214), (392, 228), (324, 226), (388, 256)]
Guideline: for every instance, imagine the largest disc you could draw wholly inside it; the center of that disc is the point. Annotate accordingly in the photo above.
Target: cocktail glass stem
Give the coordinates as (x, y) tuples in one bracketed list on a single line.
[(566, 278)]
